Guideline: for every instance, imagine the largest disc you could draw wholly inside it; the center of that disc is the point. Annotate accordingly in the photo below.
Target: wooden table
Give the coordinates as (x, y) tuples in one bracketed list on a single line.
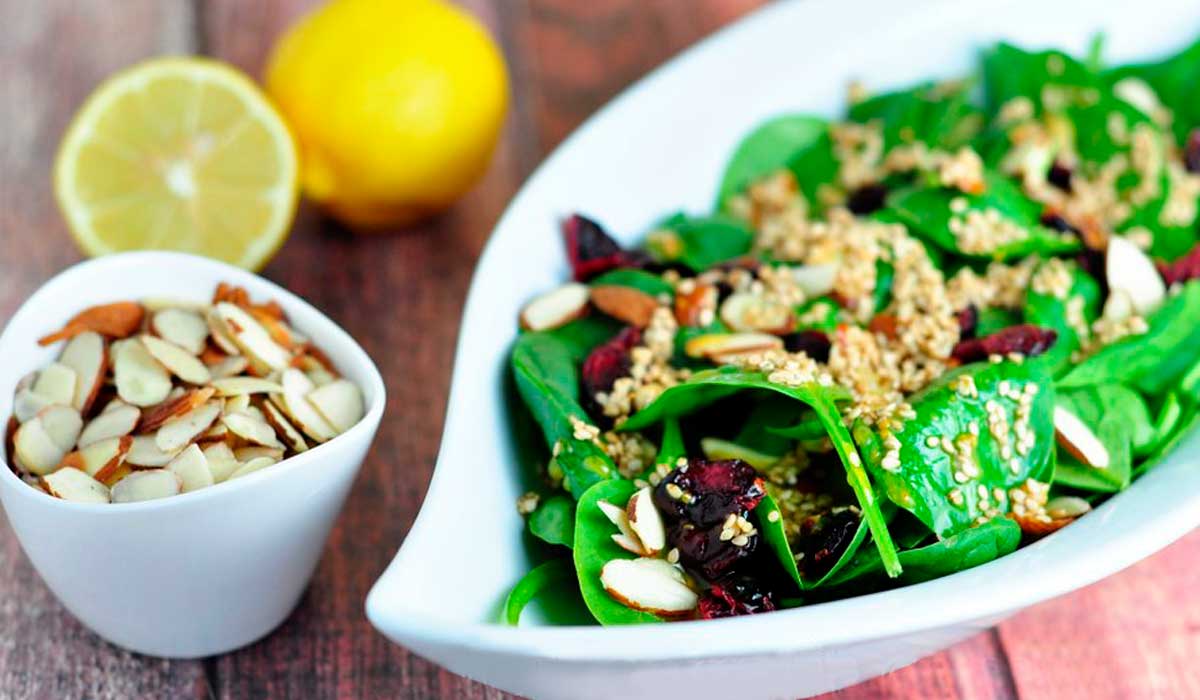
[(1135, 635)]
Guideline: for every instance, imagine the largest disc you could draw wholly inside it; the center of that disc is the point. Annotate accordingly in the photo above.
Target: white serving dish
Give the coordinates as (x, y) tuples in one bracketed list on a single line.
[(659, 146), (204, 572)]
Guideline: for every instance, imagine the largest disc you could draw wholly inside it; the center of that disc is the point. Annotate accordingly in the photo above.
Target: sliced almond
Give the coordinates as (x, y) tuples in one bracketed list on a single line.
[(1072, 507), (229, 367), (294, 403), (746, 312), (719, 347), (111, 423), (339, 402), (185, 402), (252, 466), (320, 376), (237, 386), (191, 466), (145, 453), (646, 522), (555, 308), (283, 428), (216, 431), (245, 454), (626, 538), (35, 449), (253, 340), (178, 432), (156, 304), (1138, 93), (1130, 270), (27, 404), (815, 280), (140, 379), (697, 305), (1118, 306), (62, 424), (251, 429), (119, 320), (1077, 438), (87, 354), (186, 329), (100, 460), (71, 484), (626, 304), (221, 461), (178, 361), (57, 384), (220, 333), (234, 404), (650, 585), (147, 485)]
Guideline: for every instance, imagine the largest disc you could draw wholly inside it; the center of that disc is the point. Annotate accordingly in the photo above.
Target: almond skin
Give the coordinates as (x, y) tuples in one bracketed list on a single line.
[(119, 320), (697, 307), (626, 304)]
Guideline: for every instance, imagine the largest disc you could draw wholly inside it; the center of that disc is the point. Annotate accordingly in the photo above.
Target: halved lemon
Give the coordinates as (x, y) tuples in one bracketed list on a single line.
[(179, 154)]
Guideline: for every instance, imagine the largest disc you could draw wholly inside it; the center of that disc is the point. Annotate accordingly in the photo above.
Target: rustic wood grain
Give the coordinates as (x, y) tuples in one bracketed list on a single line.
[(1135, 635)]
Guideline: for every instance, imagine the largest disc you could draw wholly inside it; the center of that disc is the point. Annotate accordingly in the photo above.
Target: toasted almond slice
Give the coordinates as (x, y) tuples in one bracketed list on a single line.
[(147, 485), (221, 461), (87, 354), (178, 361), (220, 333), (747, 312), (62, 424), (339, 402), (35, 449), (1077, 438), (156, 304), (651, 585), (186, 402), (145, 453), (118, 320), (626, 304), (27, 404), (719, 347), (57, 383), (294, 403), (628, 544), (191, 466), (283, 428), (646, 522), (555, 308), (113, 423), (1130, 270), (236, 386), (234, 404), (100, 460), (626, 538), (1071, 507), (251, 429), (252, 466), (229, 367), (245, 454), (117, 474), (697, 305), (216, 431), (815, 280), (114, 404), (186, 329), (70, 484), (140, 379), (320, 376), (253, 340), (1138, 93), (176, 433)]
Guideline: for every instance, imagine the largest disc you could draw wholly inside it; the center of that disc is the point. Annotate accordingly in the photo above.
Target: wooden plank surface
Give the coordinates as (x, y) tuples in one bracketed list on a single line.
[(1135, 635)]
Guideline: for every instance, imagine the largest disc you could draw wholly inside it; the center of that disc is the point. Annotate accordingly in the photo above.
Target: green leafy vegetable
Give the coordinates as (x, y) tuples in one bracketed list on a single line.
[(1120, 419), (1174, 81), (1048, 311), (700, 242), (766, 149), (554, 520), (939, 115), (553, 573), (594, 548), (638, 279)]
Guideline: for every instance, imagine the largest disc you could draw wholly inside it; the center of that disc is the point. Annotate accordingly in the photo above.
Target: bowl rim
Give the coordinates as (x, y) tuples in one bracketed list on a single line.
[(130, 262)]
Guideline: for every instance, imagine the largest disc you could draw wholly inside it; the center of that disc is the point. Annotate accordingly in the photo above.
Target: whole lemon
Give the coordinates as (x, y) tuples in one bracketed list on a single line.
[(396, 104)]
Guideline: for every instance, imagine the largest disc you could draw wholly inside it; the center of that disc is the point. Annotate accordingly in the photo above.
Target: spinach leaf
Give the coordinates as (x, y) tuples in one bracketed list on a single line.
[(708, 386), (638, 279), (554, 520), (1115, 477), (967, 549), (766, 149), (539, 579), (774, 534), (581, 336), (594, 548), (1009, 71), (940, 115), (1120, 419), (1048, 311), (672, 447), (981, 472), (926, 210), (700, 242), (1153, 361), (1186, 423), (808, 429), (1174, 80), (815, 166), (992, 319), (544, 369)]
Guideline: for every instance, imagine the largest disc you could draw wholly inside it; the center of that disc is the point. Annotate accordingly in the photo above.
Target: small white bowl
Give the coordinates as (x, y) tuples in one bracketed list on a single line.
[(204, 572)]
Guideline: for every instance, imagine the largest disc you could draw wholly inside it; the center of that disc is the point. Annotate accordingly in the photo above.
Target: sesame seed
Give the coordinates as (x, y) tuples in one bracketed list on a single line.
[(673, 556), (773, 516), (739, 541)]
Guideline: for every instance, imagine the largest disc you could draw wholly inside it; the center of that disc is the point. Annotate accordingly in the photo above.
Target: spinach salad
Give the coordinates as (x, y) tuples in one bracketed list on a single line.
[(902, 344)]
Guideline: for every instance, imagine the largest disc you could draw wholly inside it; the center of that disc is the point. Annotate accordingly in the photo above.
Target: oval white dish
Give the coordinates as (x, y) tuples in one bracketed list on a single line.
[(204, 572), (659, 147)]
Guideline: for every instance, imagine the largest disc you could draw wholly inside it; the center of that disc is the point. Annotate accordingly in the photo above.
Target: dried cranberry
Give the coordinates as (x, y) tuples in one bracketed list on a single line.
[(592, 251), (704, 493), (1191, 152), (608, 362), (827, 542), (1025, 339), (867, 199), (735, 596), (703, 550), (1055, 221), (815, 344), (1059, 176), (968, 321), (1182, 269)]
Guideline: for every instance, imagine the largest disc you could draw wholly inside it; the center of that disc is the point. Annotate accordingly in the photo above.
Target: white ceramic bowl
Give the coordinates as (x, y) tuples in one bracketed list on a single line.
[(204, 572), (659, 146)]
